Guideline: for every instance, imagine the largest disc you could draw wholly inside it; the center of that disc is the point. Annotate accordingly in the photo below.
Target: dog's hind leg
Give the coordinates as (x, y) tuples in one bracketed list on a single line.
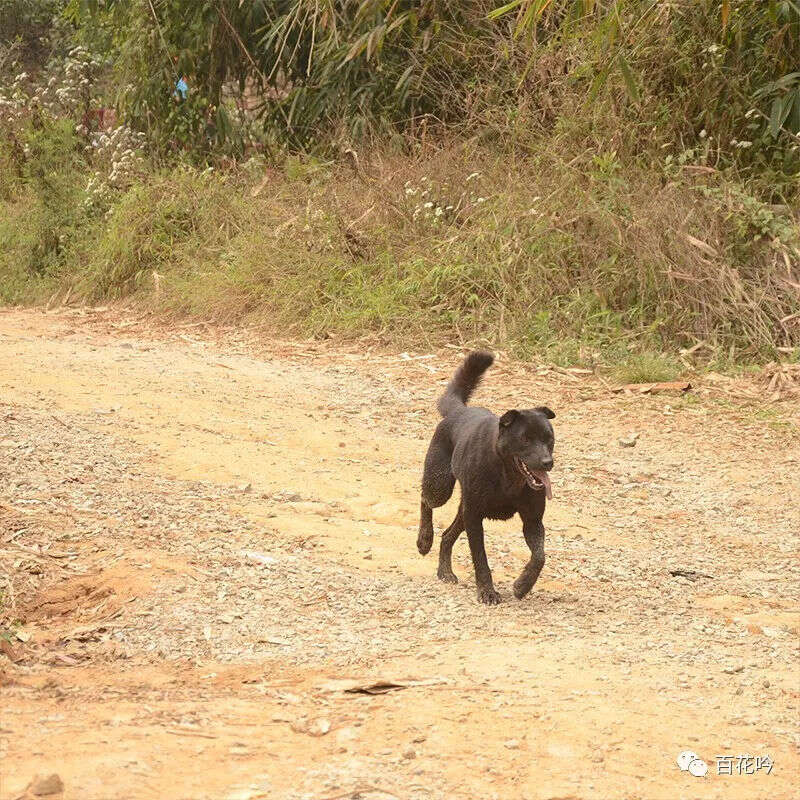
[(445, 572), (437, 484)]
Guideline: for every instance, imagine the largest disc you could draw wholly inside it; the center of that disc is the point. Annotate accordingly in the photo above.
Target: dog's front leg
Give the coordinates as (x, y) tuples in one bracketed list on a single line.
[(533, 531), (483, 575)]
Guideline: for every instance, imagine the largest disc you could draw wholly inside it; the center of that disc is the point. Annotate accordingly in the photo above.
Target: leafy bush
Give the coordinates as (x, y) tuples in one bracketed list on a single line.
[(27, 22), (46, 149), (164, 225), (626, 76), (42, 211)]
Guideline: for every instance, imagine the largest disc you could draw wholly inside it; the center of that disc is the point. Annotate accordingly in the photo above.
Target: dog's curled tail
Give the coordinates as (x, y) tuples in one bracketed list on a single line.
[(464, 382)]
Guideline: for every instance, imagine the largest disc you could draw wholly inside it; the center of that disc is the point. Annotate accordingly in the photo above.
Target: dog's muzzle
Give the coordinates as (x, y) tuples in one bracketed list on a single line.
[(537, 479)]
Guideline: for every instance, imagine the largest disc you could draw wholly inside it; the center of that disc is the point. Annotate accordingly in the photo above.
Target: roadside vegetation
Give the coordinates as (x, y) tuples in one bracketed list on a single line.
[(604, 184)]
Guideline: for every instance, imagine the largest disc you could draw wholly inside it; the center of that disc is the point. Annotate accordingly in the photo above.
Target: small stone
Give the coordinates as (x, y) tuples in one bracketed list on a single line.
[(246, 488), (42, 787), (628, 441), (512, 744), (410, 753), (319, 727), (733, 670)]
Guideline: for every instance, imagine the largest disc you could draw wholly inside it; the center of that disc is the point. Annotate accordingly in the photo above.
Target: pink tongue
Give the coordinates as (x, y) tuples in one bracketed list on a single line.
[(545, 479)]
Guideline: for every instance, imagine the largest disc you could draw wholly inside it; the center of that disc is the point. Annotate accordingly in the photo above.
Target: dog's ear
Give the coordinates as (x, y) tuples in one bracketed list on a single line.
[(546, 411), (508, 418)]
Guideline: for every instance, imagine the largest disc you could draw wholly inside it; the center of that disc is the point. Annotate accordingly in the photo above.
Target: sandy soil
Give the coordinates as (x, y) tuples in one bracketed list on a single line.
[(206, 540)]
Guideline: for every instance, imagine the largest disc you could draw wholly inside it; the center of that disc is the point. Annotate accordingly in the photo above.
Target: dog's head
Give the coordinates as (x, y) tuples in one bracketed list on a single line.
[(526, 441)]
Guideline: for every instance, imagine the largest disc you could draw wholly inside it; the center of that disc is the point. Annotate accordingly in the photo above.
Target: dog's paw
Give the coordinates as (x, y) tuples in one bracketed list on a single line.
[(424, 542), (446, 576), (522, 586), (488, 596)]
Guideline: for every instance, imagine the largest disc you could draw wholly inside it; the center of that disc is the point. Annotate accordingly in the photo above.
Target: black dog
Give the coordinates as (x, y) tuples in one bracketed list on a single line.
[(502, 466)]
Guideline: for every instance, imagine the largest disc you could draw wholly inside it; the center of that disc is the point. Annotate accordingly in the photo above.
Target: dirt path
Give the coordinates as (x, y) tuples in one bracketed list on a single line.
[(205, 540)]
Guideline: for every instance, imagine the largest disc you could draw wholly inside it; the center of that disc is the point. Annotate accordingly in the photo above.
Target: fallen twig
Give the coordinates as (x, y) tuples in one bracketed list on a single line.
[(190, 732)]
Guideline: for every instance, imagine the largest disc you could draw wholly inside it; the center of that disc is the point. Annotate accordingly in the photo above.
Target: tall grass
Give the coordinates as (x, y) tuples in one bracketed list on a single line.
[(584, 262), (40, 209)]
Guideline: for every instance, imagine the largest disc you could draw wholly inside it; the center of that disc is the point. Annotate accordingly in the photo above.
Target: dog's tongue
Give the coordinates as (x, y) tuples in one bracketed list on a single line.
[(545, 479)]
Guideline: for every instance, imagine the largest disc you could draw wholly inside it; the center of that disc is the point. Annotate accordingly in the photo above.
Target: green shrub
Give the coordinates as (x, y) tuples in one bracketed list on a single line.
[(41, 211), (586, 266), (717, 77), (170, 221)]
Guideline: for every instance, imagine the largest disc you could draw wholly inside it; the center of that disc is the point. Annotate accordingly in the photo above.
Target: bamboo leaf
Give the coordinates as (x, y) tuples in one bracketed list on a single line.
[(598, 83), (403, 78), (499, 12), (374, 41), (357, 48), (401, 20), (775, 117), (782, 83), (531, 16), (627, 74), (794, 120), (788, 101)]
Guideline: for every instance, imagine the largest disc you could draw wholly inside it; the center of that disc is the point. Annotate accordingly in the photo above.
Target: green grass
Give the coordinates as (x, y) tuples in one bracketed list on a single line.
[(775, 419), (586, 262), (647, 367), (41, 212)]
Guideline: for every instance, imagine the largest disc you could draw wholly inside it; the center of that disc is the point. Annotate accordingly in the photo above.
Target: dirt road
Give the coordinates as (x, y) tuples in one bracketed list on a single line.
[(207, 540)]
